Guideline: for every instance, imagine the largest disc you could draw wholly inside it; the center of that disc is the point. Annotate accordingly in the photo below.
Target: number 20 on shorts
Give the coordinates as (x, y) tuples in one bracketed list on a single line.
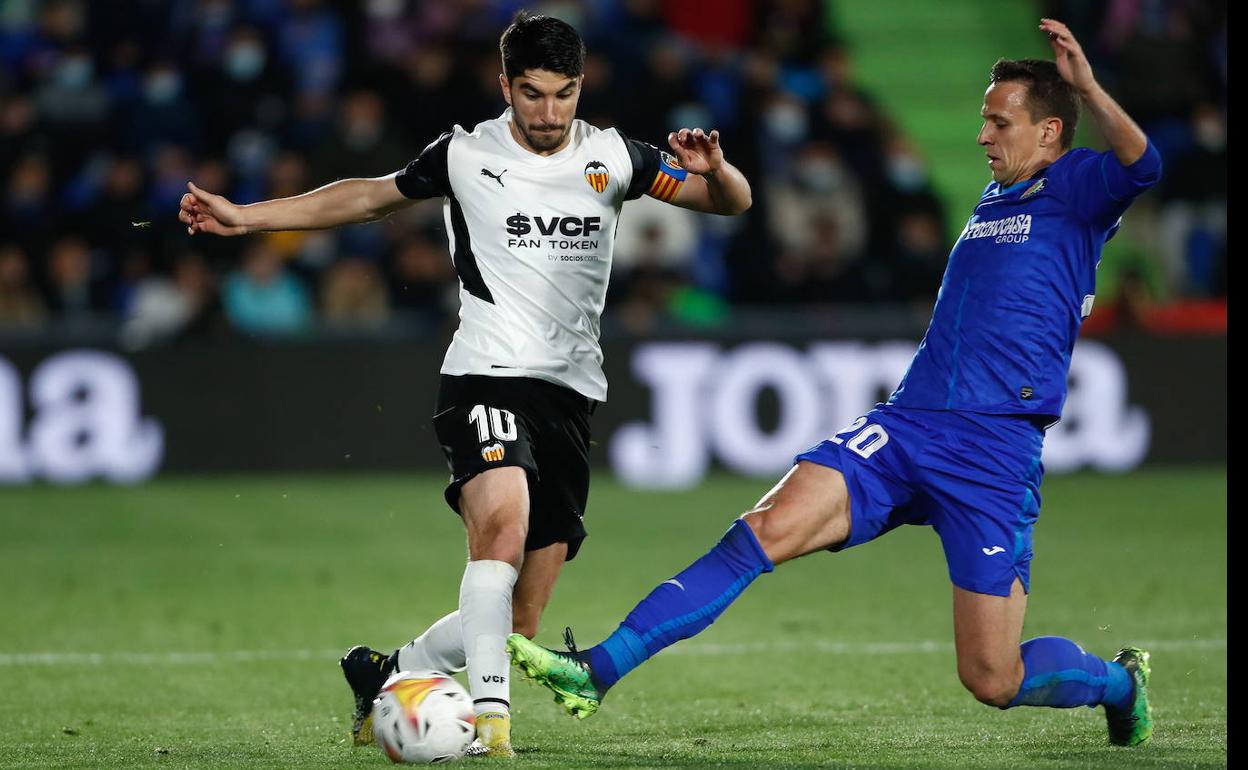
[(866, 442)]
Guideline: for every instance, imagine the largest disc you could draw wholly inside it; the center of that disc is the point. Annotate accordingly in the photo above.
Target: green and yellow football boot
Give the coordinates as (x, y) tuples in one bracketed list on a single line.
[(1133, 725), (566, 674)]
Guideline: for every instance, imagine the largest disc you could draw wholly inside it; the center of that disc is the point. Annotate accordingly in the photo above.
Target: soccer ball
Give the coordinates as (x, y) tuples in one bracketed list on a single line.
[(423, 716)]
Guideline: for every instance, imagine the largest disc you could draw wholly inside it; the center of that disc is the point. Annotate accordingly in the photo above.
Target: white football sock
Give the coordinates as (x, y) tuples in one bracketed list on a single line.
[(485, 617), (440, 648)]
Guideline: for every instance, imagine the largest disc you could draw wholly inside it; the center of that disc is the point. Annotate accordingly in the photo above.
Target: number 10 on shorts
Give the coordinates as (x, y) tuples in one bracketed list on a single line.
[(489, 421), (866, 442)]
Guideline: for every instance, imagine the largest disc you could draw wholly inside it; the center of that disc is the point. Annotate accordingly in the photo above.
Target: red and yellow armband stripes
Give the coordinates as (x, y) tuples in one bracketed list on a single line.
[(669, 179)]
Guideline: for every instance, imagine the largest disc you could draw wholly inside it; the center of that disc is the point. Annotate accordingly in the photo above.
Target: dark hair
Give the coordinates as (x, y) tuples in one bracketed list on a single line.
[(538, 42), (1048, 95)]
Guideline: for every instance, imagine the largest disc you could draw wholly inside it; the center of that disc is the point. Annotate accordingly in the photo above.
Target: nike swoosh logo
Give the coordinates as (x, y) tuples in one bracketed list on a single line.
[(674, 582), (994, 550)]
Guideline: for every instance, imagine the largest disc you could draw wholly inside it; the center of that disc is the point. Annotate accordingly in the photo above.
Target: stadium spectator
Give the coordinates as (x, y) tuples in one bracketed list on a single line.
[(916, 259), (263, 297), (655, 234), (817, 218), (28, 215), (363, 142), (107, 108), (20, 304), (312, 251), (310, 43), (111, 197), (420, 281), (17, 128), (164, 114), (243, 88), (75, 289), (165, 307), (1194, 208), (655, 249), (72, 106), (1175, 53), (353, 295)]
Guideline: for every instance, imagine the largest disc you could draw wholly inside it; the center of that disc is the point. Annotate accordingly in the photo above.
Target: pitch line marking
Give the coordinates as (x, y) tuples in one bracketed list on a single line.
[(696, 649)]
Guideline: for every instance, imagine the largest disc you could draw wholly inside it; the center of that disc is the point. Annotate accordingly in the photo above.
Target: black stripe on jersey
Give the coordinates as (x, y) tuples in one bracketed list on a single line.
[(427, 176), (645, 158), (465, 261)]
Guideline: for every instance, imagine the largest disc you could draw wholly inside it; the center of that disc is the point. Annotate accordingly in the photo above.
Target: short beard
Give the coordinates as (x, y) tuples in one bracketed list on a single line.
[(539, 142)]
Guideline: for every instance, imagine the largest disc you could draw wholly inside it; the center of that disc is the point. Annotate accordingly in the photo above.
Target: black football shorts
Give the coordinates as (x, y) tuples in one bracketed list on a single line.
[(494, 422)]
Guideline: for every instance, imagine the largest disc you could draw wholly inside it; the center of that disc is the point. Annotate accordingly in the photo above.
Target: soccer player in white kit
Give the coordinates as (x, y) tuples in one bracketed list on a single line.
[(531, 200)]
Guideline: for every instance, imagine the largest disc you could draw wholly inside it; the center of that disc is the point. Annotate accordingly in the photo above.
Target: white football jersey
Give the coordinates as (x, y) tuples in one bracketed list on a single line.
[(531, 237)]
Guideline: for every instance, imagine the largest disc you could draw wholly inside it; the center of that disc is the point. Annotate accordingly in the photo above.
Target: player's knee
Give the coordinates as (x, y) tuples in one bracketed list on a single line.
[(506, 545), (786, 532), (781, 538), (992, 686), (769, 536), (499, 539)]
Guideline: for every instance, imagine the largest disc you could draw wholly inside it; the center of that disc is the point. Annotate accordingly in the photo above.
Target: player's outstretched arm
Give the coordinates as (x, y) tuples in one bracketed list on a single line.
[(1124, 137), (714, 186), (346, 201)]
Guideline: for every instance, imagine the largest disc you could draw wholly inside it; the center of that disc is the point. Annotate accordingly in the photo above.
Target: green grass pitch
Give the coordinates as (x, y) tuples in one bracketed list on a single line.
[(195, 623)]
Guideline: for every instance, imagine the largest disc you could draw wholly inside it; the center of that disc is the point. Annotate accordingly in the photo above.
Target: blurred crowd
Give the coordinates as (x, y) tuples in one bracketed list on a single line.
[(1165, 61), (108, 107)]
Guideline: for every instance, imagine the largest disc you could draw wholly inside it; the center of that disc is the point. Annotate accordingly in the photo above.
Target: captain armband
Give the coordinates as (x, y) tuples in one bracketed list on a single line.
[(669, 179)]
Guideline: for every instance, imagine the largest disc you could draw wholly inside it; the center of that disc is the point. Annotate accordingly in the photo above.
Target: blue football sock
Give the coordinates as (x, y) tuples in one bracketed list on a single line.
[(681, 607), (1058, 673)]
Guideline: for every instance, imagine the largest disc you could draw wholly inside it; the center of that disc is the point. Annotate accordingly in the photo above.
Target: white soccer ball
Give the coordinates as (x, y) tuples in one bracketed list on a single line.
[(423, 716)]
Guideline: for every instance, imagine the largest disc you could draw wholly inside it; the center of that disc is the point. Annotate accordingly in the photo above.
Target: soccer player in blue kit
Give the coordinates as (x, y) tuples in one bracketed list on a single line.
[(958, 444)]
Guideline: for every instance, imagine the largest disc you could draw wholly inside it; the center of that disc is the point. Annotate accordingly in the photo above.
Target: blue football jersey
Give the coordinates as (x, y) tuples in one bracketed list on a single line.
[(1020, 280)]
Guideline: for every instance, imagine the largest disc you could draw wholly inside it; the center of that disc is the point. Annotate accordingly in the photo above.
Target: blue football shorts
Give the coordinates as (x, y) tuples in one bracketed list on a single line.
[(974, 478)]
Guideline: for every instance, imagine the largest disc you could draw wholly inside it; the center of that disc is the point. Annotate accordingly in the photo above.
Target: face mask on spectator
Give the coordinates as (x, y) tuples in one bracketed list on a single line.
[(244, 61), (820, 176), (215, 15), (74, 72), (385, 10), (1210, 133), (786, 123), (906, 172), (162, 87), (362, 135)]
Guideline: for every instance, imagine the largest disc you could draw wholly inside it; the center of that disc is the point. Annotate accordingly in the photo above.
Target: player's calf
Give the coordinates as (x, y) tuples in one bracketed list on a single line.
[(495, 507), (1059, 674)]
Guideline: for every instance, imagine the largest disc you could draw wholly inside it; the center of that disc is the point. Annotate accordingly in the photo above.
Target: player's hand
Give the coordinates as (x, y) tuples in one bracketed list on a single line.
[(697, 151), (1072, 65), (204, 212)]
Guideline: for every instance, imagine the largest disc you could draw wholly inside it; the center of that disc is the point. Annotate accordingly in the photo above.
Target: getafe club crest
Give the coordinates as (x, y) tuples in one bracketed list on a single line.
[(1035, 188), (597, 175)]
